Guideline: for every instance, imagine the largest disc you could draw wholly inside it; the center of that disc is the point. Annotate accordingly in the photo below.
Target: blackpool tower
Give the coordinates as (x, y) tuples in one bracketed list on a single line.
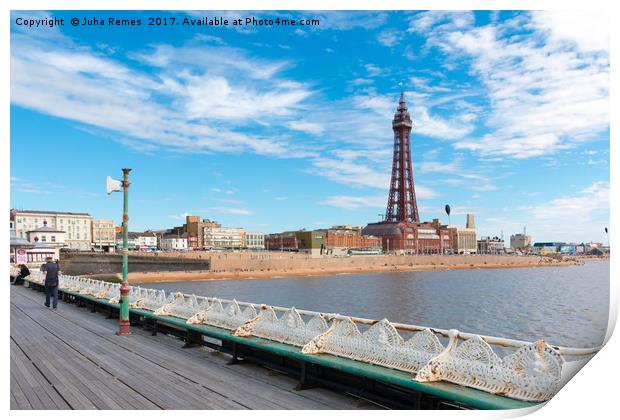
[(402, 206)]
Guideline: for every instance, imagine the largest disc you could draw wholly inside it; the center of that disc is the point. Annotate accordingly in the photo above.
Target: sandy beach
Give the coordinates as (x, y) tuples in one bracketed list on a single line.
[(172, 276)]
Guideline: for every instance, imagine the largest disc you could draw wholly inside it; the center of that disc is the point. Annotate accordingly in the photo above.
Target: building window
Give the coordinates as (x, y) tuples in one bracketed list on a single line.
[(43, 238), (53, 239)]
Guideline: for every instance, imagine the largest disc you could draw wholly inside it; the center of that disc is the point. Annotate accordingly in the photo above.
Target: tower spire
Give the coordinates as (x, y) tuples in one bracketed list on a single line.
[(402, 103), (402, 205)]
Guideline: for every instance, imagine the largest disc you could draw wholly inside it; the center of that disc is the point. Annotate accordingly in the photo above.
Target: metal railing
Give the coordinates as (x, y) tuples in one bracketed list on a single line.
[(532, 372)]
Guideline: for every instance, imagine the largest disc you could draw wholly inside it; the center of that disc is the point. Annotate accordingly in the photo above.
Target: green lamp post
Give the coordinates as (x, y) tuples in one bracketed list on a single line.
[(114, 185)]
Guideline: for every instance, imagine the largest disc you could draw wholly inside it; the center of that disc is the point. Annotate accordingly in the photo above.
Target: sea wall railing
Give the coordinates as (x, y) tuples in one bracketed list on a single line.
[(529, 371)]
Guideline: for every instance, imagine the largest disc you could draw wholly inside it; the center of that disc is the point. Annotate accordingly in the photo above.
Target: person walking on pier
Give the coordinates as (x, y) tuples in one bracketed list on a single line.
[(51, 270)]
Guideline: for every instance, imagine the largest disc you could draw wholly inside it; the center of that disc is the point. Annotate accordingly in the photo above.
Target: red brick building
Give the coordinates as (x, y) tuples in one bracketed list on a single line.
[(412, 238), (350, 238), (281, 241)]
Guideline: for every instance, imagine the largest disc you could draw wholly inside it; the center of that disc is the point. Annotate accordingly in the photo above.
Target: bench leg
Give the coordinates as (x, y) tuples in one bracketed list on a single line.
[(192, 339), (235, 355), (304, 383)]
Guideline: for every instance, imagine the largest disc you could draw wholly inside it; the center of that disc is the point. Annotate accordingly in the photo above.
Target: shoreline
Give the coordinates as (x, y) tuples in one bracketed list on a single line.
[(184, 276)]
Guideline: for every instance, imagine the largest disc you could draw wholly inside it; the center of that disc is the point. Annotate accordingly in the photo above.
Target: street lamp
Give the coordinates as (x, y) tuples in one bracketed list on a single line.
[(111, 186)]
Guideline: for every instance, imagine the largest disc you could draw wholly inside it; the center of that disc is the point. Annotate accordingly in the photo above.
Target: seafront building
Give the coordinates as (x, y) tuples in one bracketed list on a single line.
[(46, 235), (205, 234), (520, 241), (547, 248), (337, 240), (285, 241), (76, 226), (12, 225), (170, 242), (103, 235), (138, 241), (195, 227), (491, 245), (254, 240), (222, 237), (340, 240), (464, 239)]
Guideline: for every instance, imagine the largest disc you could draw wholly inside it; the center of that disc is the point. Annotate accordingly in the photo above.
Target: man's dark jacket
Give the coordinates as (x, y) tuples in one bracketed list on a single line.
[(51, 276)]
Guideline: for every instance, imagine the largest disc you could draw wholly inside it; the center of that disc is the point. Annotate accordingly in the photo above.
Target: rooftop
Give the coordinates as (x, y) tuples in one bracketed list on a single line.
[(49, 212), (45, 229)]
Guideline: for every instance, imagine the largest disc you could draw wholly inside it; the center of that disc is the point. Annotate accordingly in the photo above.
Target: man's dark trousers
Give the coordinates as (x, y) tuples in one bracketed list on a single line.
[(53, 292)]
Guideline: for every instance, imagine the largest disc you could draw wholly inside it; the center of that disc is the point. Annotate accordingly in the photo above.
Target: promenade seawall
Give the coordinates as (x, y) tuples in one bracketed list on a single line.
[(240, 265), (78, 264)]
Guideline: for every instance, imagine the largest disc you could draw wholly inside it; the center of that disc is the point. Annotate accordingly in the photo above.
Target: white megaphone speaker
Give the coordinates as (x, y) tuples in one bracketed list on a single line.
[(112, 185)]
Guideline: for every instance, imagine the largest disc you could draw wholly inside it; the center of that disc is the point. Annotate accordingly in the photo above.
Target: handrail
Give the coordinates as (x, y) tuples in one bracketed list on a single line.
[(500, 341)]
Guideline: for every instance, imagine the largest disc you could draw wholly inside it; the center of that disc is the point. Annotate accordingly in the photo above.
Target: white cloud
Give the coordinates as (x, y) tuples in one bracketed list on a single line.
[(349, 172), (346, 20), (349, 202), (423, 84), (587, 29), (210, 38), (306, 127), (434, 126), (545, 95), (390, 37), (25, 186), (580, 217), (229, 200), (22, 185), (564, 212), (422, 22), (424, 193), (231, 210), (181, 216), (215, 97), (355, 202), (176, 109), (222, 191), (361, 81), (373, 70)]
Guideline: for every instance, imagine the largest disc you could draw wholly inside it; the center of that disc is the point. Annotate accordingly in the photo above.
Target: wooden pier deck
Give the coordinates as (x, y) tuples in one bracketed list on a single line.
[(70, 358)]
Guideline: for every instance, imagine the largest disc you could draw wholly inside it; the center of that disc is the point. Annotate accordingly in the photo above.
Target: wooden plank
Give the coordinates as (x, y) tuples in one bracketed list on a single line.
[(95, 396), (78, 353), (19, 395), (75, 370), (228, 405), (41, 382)]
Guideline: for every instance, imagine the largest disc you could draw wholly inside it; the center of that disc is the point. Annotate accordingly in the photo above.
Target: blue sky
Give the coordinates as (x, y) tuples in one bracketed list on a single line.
[(279, 128)]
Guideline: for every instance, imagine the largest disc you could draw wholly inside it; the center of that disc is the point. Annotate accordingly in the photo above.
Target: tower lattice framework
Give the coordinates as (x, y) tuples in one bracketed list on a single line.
[(402, 205)]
